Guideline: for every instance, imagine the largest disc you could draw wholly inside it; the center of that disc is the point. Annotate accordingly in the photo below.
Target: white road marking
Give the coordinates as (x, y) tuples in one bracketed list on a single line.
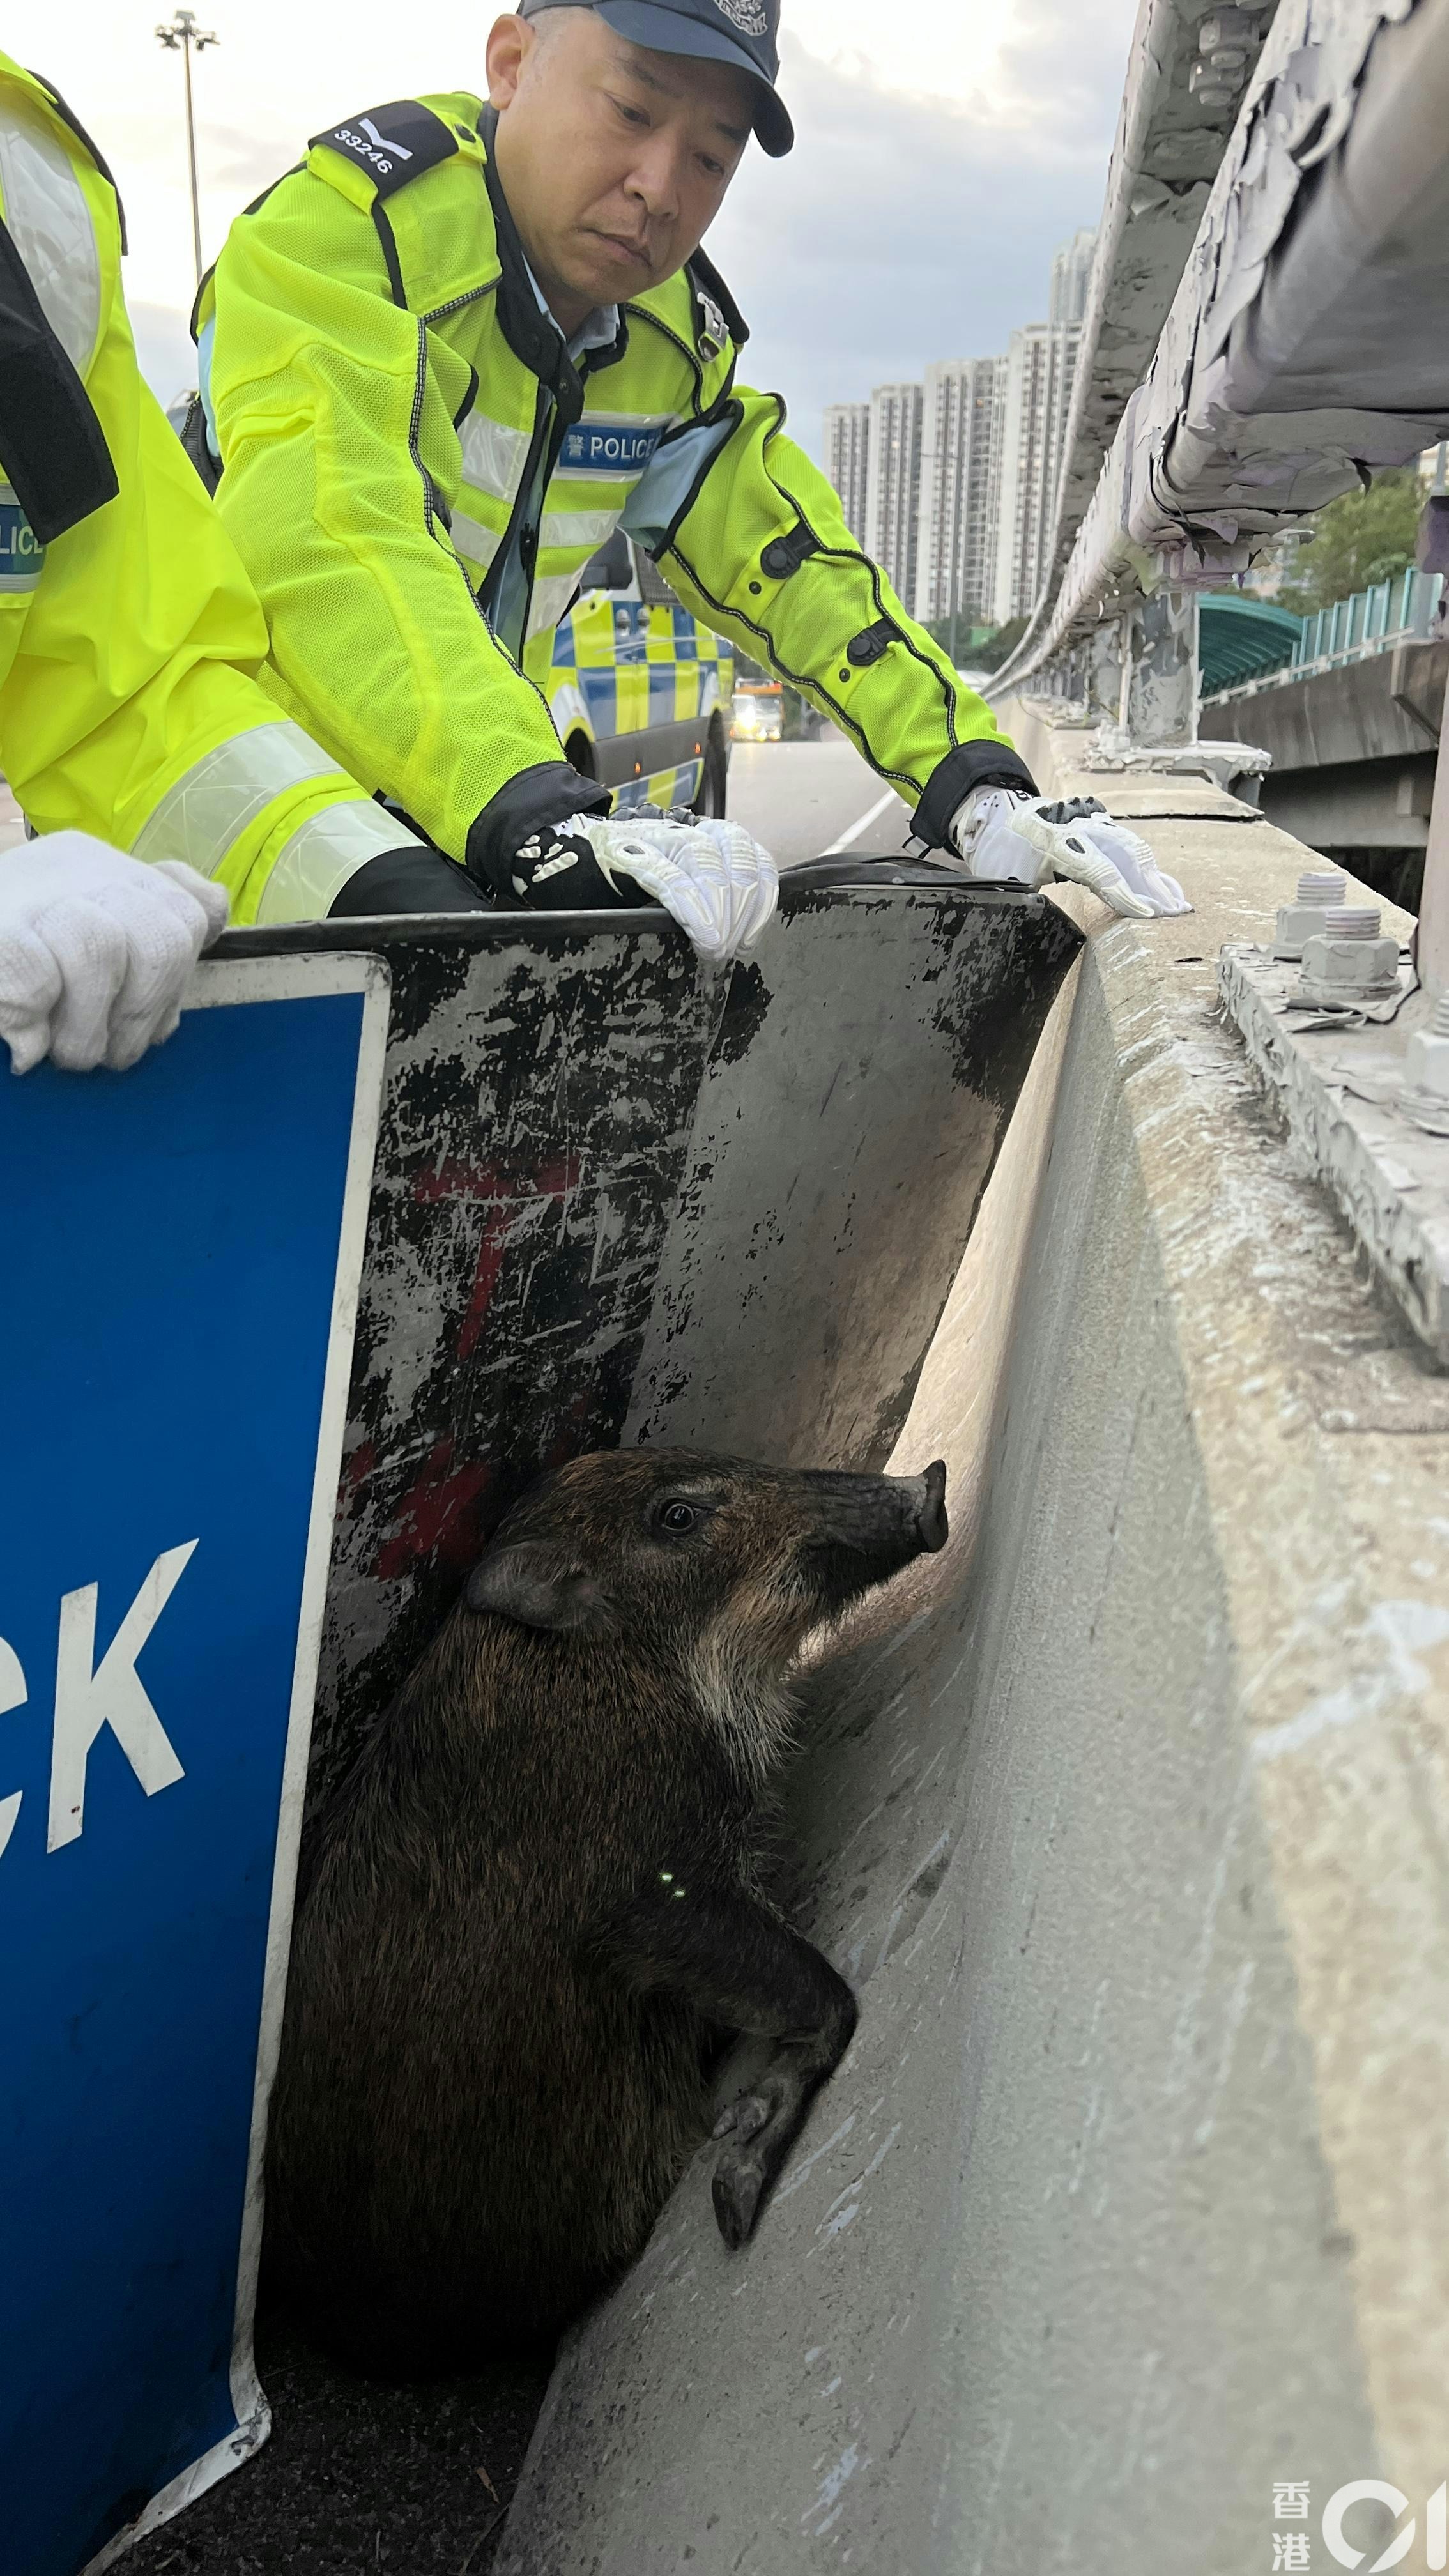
[(863, 825)]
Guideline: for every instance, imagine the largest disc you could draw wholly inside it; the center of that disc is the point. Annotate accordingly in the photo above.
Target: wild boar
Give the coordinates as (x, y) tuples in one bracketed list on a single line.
[(538, 1906)]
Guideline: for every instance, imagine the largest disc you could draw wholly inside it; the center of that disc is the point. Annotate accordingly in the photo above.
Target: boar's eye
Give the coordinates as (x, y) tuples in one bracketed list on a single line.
[(678, 1518)]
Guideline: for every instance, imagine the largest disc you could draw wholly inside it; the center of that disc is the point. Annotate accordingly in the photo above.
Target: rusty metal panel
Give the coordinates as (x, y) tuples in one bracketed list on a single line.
[(620, 1196)]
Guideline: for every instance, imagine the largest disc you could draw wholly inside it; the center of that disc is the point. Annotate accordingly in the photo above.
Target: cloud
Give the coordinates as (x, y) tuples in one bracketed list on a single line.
[(1062, 66), (241, 163), (904, 229)]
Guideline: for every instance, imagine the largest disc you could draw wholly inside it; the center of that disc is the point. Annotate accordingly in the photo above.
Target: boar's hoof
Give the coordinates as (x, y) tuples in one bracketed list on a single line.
[(757, 2129), (931, 1522), (737, 2190)]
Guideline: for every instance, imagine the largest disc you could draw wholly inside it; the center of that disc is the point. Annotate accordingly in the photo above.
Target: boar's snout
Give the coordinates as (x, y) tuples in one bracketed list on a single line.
[(899, 1514), (865, 1528)]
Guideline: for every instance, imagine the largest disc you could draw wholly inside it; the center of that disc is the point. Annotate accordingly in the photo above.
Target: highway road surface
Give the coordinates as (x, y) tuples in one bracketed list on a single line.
[(803, 799), (359, 2477)]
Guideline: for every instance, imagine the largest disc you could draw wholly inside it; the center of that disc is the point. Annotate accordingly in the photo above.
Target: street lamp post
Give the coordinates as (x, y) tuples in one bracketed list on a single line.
[(179, 38)]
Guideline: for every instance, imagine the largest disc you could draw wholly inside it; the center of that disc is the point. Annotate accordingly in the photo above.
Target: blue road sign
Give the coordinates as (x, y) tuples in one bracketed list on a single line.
[(182, 1245)]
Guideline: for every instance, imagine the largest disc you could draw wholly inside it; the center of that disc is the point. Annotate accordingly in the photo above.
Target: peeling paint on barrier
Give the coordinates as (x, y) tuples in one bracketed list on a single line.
[(1389, 1177)]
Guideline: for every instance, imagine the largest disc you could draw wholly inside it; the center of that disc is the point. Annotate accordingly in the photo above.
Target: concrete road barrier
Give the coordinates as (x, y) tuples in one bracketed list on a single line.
[(1129, 1826)]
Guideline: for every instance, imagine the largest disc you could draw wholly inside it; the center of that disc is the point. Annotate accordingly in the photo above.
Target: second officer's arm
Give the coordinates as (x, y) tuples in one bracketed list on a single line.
[(760, 550), (757, 544)]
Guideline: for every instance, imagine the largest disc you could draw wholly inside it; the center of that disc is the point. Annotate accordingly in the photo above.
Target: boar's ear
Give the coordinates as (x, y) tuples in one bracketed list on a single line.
[(539, 1587)]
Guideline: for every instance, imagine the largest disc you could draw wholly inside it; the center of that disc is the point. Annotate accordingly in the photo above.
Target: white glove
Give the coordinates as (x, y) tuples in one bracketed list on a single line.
[(715, 880), (96, 949), (1002, 836)]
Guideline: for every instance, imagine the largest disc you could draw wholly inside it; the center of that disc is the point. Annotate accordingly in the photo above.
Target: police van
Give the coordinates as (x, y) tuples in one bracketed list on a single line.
[(639, 690)]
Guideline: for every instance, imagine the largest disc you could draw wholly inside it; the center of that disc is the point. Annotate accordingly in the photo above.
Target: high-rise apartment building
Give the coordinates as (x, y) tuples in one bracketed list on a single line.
[(1041, 368), (952, 486), (1071, 277), (961, 424), (847, 461), (893, 489)]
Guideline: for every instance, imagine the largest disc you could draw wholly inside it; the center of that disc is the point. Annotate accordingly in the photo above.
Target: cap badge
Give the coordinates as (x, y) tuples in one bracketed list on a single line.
[(750, 16)]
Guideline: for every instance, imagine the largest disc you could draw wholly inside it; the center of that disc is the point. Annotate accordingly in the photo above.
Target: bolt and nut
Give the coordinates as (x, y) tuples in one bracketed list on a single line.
[(1425, 1095), (1349, 962), (1228, 41), (1320, 892)]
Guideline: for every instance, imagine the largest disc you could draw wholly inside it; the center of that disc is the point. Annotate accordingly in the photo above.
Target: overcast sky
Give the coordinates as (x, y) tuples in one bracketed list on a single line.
[(945, 148)]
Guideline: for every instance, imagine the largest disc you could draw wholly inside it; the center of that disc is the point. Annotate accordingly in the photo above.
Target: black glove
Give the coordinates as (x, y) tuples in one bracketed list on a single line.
[(516, 849)]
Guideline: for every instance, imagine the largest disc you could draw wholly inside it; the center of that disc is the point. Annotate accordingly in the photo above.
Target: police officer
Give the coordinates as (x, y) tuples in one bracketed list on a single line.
[(443, 358), (130, 716)]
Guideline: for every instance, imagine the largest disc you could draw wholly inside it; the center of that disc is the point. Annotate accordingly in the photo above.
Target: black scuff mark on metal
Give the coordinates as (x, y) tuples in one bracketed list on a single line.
[(744, 1014), (993, 1018), (514, 1239), (838, 1162)]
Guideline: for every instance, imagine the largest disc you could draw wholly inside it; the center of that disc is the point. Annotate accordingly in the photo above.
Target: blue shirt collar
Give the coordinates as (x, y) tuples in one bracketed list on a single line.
[(598, 330)]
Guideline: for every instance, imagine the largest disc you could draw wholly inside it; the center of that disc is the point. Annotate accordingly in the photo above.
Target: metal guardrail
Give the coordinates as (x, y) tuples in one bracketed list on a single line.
[(1178, 111), (1369, 620), (1397, 611)]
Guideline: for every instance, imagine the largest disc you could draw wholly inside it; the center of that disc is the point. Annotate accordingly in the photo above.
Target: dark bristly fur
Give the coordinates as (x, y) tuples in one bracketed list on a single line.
[(536, 1902)]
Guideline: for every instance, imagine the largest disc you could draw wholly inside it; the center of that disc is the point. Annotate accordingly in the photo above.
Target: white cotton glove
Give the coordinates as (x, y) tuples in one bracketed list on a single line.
[(96, 949), (1002, 836), (715, 880)]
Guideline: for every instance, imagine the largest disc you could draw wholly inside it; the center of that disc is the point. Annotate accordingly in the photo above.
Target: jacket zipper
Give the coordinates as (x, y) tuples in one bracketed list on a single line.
[(558, 429), (430, 512), (420, 388), (489, 592), (558, 433)]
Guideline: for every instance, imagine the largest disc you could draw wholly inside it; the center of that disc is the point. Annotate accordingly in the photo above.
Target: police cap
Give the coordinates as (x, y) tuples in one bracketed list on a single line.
[(742, 32)]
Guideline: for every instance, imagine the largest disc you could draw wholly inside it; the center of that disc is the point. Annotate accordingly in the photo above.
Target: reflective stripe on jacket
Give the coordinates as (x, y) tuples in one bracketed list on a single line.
[(381, 378), (130, 642)]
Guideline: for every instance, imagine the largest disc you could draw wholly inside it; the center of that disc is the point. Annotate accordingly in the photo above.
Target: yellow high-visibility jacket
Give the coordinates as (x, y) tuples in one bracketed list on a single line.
[(130, 636), (397, 416)]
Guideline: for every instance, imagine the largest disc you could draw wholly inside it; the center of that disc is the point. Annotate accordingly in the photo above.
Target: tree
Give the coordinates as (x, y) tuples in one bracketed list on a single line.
[(978, 645), (1365, 537), (954, 633), (990, 655)]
